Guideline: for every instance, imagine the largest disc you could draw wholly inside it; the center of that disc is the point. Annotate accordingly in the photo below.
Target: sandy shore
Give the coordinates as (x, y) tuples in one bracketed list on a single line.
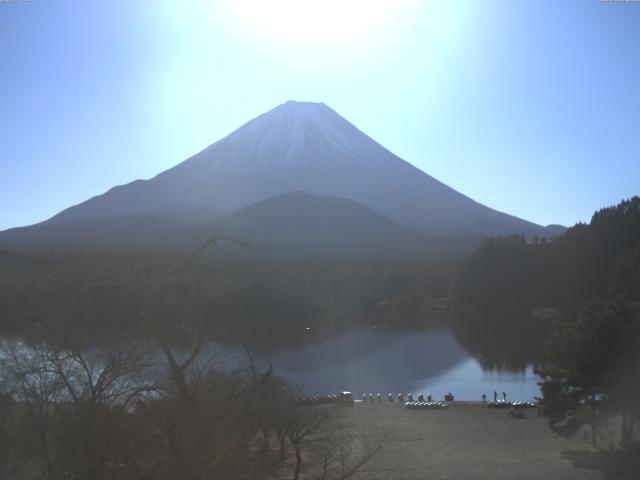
[(466, 441)]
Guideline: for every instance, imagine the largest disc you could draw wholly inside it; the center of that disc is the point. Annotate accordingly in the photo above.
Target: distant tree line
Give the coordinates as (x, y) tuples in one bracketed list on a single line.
[(87, 299), (589, 279), (514, 275), (493, 296)]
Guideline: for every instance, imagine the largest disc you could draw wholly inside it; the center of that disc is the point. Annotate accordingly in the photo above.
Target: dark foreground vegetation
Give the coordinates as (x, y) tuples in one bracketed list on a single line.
[(580, 292), (112, 413)]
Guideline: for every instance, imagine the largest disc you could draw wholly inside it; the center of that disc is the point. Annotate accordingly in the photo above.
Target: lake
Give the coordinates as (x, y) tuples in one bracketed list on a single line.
[(370, 360), (376, 361)]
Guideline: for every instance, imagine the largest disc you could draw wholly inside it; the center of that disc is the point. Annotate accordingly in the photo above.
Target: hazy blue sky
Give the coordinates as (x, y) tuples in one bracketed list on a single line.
[(530, 107)]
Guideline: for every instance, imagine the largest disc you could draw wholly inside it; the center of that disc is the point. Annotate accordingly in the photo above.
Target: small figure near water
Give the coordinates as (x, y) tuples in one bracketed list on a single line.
[(484, 398), (504, 396), (495, 396)]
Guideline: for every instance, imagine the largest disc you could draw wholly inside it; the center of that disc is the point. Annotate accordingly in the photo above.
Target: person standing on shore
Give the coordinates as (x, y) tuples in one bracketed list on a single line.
[(504, 396), (484, 398), (495, 396)]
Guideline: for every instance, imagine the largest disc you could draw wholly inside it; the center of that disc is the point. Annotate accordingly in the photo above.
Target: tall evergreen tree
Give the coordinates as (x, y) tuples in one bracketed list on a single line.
[(593, 367)]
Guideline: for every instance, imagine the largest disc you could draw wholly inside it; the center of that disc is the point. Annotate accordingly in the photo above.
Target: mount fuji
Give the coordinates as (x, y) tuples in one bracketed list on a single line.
[(299, 147)]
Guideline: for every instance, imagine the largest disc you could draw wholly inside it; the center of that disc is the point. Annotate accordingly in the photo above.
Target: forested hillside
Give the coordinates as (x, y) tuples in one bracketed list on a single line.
[(240, 298), (511, 288), (573, 305)]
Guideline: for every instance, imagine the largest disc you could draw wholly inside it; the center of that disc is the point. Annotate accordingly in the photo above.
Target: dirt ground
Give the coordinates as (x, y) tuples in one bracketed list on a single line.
[(466, 441)]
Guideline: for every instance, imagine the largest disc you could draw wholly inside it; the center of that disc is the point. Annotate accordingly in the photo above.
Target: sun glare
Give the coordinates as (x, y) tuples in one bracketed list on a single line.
[(320, 22)]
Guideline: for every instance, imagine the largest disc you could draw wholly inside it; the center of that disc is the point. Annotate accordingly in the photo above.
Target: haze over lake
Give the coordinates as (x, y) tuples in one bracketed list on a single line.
[(371, 360)]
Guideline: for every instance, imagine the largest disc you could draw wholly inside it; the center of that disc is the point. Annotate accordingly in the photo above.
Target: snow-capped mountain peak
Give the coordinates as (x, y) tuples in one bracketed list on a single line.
[(308, 147)]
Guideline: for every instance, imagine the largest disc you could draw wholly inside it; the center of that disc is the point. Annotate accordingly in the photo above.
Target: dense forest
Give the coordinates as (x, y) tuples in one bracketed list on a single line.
[(516, 274), (510, 290), (592, 370), (574, 302), (239, 298)]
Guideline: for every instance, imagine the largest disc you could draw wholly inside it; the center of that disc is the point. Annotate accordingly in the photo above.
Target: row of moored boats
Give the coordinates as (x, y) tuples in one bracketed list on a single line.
[(317, 400), (510, 404), (426, 405)]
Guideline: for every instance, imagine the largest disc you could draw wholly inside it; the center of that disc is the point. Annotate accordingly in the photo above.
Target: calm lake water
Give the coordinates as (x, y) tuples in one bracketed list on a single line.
[(379, 361), (375, 361)]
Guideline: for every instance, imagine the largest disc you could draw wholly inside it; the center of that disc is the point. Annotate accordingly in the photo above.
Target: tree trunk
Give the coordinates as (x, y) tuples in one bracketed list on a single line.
[(3, 434), (265, 437), (46, 457), (594, 420), (296, 473), (282, 449), (244, 450), (178, 462), (627, 428)]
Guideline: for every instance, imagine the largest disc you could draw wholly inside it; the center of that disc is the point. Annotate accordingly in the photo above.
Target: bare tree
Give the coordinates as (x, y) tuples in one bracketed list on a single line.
[(7, 436), (304, 425), (71, 404), (37, 392), (341, 457), (181, 370)]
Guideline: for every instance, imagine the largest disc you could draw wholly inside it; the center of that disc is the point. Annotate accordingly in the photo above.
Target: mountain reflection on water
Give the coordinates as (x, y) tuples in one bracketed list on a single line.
[(376, 361)]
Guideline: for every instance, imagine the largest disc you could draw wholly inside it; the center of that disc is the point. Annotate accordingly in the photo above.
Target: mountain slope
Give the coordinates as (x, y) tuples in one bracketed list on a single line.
[(294, 222), (301, 221), (301, 146), (137, 232)]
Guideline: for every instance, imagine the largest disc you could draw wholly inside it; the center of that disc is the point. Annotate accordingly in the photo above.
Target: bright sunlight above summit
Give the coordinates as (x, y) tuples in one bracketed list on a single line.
[(317, 22)]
